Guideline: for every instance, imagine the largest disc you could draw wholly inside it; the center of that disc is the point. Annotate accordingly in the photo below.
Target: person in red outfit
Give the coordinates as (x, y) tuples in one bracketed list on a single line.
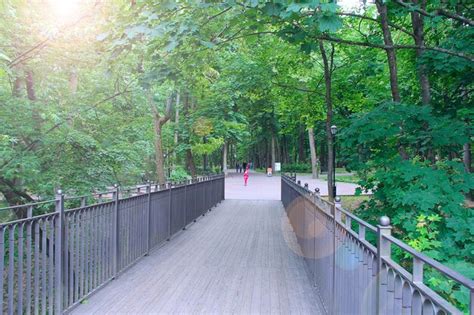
[(246, 176)]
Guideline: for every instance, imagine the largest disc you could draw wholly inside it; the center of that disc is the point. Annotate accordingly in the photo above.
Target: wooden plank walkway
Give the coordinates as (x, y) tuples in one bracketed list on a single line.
[(241, 258)]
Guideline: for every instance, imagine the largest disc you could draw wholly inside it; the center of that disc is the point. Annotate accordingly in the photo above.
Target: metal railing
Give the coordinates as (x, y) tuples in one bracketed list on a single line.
[(52, 262), (353, 276)]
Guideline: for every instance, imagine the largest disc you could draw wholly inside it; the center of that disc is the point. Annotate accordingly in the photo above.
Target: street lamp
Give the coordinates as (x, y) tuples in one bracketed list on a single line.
[(333, 134)]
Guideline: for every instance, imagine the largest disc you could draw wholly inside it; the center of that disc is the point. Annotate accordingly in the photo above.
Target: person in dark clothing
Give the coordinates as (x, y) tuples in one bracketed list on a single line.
[(237, 167), (244, 165)]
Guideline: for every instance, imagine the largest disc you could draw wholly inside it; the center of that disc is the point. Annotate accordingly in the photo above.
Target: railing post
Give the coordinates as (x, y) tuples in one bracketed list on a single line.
[(59, 251), (185, 203), (116, 250), (83, 201), (336, 218), (148, 215), (29, 212), (170, 211), (383, 251)]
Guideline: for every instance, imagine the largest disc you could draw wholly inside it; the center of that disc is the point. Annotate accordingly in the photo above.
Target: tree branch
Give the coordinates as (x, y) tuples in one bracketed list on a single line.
[(401, 29), (438, 12)]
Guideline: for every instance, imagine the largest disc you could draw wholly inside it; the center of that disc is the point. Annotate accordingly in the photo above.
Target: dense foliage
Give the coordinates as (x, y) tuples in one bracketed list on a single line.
[(94, 93)]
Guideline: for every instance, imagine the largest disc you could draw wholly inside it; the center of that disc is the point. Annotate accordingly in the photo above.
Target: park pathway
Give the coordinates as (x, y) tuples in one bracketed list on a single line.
[(242, 257)]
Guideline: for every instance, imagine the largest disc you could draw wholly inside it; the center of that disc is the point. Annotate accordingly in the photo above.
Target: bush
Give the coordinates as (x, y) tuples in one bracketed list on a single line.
[(178, 174), (296, 167)]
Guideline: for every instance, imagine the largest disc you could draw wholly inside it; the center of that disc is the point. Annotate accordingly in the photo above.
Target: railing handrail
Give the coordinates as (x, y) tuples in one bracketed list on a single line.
[(430, 262), (105, 192), (72, 251), (108, 192), (454, 275)]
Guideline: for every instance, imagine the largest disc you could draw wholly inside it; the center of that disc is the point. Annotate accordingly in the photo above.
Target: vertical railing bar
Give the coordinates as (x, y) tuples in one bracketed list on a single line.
[(44, 266), (129, 225), (87, 242), (134, 245), (2, 265), (148, 220), (417, 270), (383, 251), (185, 210), (104, 245), (116, 251), (51, 274), (82, 282), (11, 267), (36, 276), (44, 288), (131, 219), (28, 260), (65, 253), (96, 243), (170, 211), (20, 268), (70, 222), (471, 302), (77, 273)]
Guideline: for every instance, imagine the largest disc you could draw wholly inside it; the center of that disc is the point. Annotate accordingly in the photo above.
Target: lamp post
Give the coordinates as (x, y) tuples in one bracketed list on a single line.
[(333, 134)]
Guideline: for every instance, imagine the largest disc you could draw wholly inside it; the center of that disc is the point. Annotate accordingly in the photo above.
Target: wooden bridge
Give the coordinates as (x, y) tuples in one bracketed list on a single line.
[(194, 248)]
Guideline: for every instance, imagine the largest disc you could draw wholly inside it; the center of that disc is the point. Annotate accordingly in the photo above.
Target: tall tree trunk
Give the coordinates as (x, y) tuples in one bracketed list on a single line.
[(187, 105), (204, 158), (176, 130), (17, 86), (467, 157), (159, 158), (224, 158), (418, 24), (314, 158), (158, 122), (273, 151), (301, 155), (30, 85), (268, 153), (329, 111), (190, 163), (391, 53)]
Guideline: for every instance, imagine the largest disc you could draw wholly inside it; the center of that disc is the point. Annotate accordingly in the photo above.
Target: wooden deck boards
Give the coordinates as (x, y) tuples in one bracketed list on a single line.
[(241, 258)]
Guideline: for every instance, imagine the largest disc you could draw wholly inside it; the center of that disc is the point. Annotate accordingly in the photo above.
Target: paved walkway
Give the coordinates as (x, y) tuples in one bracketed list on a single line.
[(240, 258), (261, 187)]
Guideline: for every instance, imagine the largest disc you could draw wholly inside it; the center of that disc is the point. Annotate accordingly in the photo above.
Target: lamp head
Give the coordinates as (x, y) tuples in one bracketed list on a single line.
[(333, 129)]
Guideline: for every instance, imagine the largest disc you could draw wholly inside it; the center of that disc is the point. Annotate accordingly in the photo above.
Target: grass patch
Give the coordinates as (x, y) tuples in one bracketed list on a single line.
[(353, 202), (354, 179)]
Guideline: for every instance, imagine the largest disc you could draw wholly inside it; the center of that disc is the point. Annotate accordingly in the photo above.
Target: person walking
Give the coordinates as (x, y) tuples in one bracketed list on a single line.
[(246, 176)]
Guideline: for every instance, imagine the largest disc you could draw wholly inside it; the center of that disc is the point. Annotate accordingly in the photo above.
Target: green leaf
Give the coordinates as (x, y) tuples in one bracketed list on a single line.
[(329, 23)]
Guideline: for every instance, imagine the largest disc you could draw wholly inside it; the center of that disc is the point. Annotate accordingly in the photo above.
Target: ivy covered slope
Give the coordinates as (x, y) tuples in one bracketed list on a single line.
[(94, 93)]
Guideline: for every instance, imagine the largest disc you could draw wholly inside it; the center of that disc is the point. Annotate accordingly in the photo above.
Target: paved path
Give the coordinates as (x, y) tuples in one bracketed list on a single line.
[(240, 258), (261, 187), (343, 189)]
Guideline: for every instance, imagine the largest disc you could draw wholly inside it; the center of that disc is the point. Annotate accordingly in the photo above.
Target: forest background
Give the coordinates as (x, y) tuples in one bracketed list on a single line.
[(94, 93)]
